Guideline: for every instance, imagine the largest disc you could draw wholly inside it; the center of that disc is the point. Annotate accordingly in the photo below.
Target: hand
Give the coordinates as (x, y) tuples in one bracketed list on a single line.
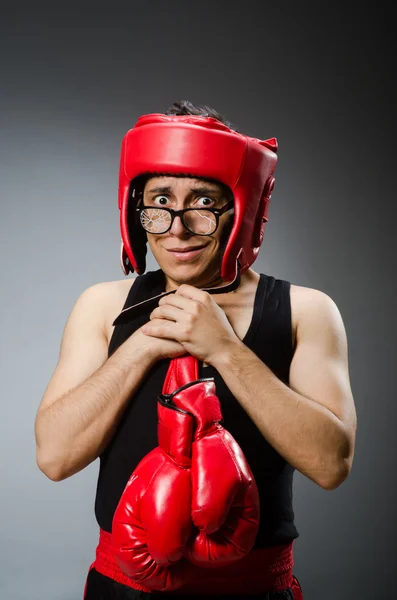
[(192, 318), (158, 348)]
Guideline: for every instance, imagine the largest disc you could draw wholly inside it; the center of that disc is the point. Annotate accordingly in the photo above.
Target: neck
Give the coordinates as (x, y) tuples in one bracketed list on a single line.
[(212, 283)]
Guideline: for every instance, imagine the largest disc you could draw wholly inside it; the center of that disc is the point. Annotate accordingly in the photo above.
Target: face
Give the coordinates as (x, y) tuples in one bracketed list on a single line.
[(201, 265)]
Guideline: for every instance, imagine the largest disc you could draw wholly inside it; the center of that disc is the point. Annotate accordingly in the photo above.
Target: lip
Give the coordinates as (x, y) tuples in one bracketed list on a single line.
[(183, 255)]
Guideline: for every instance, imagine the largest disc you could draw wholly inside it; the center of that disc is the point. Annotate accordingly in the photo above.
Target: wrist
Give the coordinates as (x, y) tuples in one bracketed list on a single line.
[(224, 357), (133, 350)]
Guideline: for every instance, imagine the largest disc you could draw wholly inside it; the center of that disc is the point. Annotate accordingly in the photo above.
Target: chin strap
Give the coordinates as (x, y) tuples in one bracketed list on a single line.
[(147, 306)]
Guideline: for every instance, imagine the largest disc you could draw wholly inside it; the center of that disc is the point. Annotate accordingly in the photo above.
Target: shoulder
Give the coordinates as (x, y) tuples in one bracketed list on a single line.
[(106, 300), (304, 298), (316, 315)]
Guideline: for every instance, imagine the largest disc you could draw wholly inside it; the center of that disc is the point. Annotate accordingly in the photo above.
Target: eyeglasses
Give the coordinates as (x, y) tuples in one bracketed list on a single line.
[(200, 221)]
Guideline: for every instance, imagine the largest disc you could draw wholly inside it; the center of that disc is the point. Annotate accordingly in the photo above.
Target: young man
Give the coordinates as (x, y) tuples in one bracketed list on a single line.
[(198, 192)]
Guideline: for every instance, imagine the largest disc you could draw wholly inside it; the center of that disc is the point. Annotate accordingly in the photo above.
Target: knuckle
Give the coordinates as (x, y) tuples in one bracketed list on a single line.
[(188, 330), (196, 309), (190, 318)]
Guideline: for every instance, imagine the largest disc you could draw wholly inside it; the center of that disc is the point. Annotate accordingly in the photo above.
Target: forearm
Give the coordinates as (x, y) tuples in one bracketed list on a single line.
[(75, 429), (309, 436)]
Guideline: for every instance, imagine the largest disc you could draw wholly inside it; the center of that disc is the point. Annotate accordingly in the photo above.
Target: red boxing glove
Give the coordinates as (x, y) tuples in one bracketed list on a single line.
[(152, 522), (225, 498)]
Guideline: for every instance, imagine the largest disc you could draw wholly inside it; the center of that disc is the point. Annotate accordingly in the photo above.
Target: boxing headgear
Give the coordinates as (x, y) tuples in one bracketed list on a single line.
[(205, 148)]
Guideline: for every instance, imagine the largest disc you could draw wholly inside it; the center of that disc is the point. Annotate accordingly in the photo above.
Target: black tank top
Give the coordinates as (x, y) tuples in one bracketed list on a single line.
[(270, 337)]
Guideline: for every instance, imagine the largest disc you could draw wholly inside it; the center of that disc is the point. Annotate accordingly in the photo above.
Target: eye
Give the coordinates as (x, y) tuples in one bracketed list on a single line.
[(162, 200), (206, 201)]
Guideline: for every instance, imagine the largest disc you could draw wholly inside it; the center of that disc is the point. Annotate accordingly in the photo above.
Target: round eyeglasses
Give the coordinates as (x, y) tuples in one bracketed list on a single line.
[(200, 221)]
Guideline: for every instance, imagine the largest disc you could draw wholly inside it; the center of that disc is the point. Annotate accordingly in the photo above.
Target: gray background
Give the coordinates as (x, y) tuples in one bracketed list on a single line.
[(317, 76)]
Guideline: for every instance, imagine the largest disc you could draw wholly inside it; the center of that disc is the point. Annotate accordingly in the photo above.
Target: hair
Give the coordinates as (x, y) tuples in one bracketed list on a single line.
[(185, 107)]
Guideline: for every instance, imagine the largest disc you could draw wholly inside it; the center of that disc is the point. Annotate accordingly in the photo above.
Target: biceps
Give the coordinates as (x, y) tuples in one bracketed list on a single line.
[(83, 349), (323, 378)]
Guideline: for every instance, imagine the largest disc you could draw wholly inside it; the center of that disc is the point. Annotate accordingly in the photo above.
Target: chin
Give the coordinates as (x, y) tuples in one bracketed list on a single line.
[(196, 275), (185, 273)]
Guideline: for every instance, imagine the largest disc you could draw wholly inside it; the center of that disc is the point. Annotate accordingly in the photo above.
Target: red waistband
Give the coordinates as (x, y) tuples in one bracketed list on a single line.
[(262, 570)]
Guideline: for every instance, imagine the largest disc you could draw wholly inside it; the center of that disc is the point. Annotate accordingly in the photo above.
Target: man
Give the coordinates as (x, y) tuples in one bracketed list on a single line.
[(277, 352)]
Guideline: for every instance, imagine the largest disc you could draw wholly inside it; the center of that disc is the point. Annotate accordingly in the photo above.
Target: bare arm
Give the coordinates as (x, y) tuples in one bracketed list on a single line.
[(312, 422), (88, 392)]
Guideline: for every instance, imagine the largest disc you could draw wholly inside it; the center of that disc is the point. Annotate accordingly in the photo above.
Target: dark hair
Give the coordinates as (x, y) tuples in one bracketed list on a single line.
[(185, 107)]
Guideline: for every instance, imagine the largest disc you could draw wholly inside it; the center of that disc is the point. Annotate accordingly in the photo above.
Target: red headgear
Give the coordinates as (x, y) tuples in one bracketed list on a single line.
[(205, 148)]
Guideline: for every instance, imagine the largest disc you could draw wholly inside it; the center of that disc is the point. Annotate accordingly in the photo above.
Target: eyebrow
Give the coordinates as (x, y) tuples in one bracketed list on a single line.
[(197, 190)]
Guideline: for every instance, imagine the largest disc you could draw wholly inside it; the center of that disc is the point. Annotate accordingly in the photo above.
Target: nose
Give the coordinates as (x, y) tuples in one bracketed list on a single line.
[(178, 228)]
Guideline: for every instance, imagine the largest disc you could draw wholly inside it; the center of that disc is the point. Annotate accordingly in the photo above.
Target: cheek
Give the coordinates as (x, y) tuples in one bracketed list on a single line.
[(224, 233), (149, 241), (154, 246), (152, 241)]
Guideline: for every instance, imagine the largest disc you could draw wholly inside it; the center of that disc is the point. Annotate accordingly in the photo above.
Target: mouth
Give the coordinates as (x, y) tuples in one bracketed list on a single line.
[(184, 254)]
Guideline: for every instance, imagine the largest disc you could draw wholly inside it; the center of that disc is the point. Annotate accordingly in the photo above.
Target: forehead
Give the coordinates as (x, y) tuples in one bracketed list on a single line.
[(182, 183)]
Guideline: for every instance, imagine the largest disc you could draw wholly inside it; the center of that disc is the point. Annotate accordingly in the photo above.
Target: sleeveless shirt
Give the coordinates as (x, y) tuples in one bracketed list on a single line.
[(270, 337)]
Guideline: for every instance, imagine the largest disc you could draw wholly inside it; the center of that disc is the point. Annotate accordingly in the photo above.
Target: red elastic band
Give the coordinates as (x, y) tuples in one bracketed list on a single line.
[(262, 570)]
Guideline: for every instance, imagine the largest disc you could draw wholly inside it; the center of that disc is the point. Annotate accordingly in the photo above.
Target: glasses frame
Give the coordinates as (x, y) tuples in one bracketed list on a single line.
[(181, 213)]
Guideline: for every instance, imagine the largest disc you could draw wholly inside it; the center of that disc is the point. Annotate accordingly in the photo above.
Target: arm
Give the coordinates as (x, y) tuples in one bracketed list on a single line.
[(311, 423), (87, 393)]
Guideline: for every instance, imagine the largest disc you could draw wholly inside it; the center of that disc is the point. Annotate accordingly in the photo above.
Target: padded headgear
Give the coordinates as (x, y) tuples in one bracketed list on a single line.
[(205, 148)]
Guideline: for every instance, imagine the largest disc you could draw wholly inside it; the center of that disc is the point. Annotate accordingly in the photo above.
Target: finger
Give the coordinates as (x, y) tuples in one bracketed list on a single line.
[(167, 312), (189, 291), (180, 302), (160, 328)]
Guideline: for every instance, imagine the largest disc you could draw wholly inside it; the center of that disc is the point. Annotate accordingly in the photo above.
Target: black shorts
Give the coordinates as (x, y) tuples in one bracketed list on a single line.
[(100, 587)]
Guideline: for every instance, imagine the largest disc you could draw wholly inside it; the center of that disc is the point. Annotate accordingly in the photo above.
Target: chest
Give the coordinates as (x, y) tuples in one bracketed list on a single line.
[(239, 309), (239, 312)]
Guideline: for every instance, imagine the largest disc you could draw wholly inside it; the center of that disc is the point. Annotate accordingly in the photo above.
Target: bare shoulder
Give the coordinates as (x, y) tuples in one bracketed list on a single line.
[(104, 301), (113, 296), (302, 297), (313, 309)]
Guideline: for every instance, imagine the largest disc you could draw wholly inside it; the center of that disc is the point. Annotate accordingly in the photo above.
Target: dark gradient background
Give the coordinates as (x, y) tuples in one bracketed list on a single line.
[(319, 77)]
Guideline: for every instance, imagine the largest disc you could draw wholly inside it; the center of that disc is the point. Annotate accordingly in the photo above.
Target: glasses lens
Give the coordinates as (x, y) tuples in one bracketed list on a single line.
[(155, 220), (200, 221)]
